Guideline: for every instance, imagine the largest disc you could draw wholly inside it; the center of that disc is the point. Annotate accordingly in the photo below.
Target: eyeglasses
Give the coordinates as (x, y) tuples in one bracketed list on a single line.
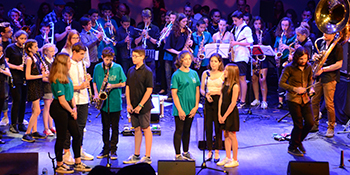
[(134, 56), (75, 38)]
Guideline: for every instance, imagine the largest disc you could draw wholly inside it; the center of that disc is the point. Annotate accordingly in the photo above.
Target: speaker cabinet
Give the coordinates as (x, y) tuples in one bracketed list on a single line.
[(19, 163), (307, 168), (176, 167)]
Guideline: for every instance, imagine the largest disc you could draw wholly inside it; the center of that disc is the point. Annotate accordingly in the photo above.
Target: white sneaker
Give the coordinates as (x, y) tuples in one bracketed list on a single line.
[(255, 103), (68, 159), (84, 129), (264, 105), (232, 163), (223, 162), (4, 121), (25, 122), (85, 156)]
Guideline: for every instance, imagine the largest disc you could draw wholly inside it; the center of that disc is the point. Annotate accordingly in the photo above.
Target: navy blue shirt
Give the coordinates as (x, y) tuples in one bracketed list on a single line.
[(173, 42), (60, 27), (153, 33), (121, 46)]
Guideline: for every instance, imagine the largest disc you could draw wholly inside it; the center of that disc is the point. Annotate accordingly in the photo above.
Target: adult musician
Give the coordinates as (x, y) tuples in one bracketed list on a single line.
[(260, 38), (223, 36), (296, 77), (148, 40), (242, 38), (285, 35), (327, 78), (175, 43)]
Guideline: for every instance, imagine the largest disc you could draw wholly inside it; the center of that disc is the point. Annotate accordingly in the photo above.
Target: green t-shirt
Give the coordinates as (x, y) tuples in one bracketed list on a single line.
[(116, 75), (186, 84), (59, 89)]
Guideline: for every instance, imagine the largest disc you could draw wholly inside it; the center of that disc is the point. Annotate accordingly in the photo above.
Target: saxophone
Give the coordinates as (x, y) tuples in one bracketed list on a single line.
[(291, 52), (85, 75), (280, 50), (103, 94), (187, 47), (200, 56)]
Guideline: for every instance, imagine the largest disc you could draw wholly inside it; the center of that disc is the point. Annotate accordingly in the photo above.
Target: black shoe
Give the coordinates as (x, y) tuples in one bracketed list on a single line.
[(113, 155), (13, 128), (28, 138), (2, 142), (38, 135), (102, 154), (280, 105), (302, 149), (295, 152), (22, 128), (2, 132)]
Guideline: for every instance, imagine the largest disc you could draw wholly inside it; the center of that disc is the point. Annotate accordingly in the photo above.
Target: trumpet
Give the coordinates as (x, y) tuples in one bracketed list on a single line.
[(104, 36), (164, 34), (144, 39), (110, 26)]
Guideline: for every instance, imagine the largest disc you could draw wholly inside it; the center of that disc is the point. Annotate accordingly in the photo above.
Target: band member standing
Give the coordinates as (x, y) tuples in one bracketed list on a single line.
[(215, 16), (303, 40), (175, 43), (223, 36), (327, 78), (63, 27), (185, 91), (91, 40), (48, 52), (34, 77), (64, 113), (242, 38), (139, 87), (295, 78), (4, 73), (148, 40), (261, 37), (109, 27), (200, 39), (14, 55), (285, 36), (72, 38), (112, 106), (228, 114), (125, 42), (80, 84), (211, 85)]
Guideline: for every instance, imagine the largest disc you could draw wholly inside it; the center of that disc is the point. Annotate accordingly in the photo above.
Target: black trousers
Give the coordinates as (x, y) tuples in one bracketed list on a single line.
[(63, 122), (211, 115), (82, 111), (19, 98), (303, 121), (182, 132), (110, 120)]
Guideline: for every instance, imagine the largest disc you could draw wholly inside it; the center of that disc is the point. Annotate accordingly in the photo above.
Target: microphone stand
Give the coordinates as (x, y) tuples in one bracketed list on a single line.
[(249, 112), (204, 165)]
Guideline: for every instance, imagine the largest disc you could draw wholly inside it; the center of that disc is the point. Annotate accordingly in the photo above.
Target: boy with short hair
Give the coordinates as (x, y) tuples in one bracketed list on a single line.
[(81, 96), (43, 38), (111, 107), (139, 105)]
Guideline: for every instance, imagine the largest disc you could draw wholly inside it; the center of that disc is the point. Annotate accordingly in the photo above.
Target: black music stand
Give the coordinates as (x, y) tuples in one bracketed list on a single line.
[(255, 50)]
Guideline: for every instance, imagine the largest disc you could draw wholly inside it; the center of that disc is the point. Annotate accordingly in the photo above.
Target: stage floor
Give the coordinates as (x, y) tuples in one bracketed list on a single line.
[(258, 152)]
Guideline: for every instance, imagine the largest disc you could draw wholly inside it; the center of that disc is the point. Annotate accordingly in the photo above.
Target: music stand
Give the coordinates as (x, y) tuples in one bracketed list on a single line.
[(221, 49), (256, 50)]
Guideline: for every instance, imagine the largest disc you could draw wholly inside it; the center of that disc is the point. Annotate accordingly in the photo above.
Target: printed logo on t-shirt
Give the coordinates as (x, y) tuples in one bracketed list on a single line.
[(59, 91), (194, 80), (112, 77)]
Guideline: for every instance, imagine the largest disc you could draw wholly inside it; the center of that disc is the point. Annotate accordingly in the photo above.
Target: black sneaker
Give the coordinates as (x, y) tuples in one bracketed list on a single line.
[(28, 138), (113, 155), (280, 105), (295, 152), (37, 135), (22, 128), (302, 149), (64, 169), (102, 154), (13, 128), (81, 167)]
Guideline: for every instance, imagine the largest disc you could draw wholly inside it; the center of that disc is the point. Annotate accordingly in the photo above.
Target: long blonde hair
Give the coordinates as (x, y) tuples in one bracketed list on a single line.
[(69, 44), (232, 76), (59, 69)]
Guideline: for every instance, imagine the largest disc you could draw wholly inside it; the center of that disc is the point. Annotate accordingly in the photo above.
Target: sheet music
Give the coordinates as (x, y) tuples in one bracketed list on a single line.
[(221, 49), (266, 50)]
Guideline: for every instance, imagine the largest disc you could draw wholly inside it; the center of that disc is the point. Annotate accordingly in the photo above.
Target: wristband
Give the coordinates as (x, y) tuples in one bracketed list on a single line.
[(140, 105)]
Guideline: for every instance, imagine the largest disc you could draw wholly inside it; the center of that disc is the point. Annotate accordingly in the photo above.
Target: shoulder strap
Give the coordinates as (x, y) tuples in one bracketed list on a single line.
[(234, 36)]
